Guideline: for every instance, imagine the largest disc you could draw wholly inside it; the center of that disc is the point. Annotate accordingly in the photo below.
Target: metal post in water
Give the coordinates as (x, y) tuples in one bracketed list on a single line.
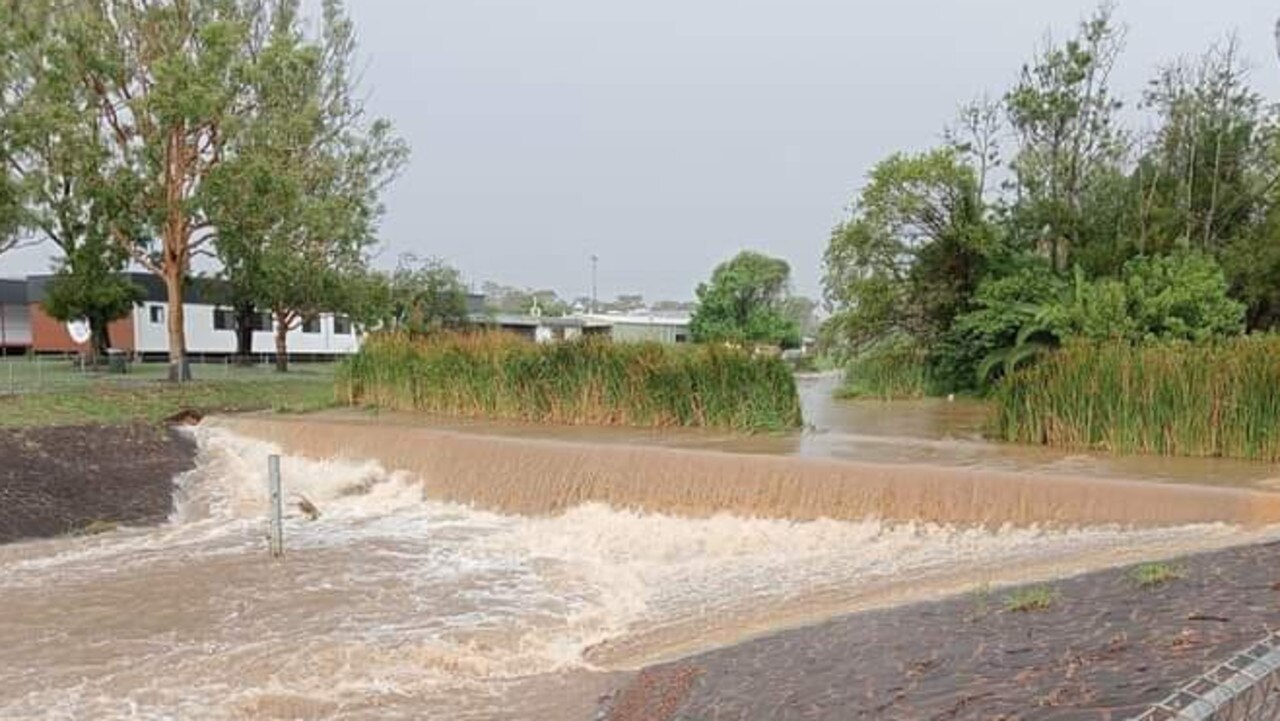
[(277, 506)]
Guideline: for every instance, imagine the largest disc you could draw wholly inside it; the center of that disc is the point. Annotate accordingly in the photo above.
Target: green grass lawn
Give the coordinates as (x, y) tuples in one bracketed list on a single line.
[(50, 392)]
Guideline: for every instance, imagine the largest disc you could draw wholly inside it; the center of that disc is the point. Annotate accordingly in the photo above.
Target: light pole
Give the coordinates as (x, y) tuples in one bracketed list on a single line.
[(595, 262)]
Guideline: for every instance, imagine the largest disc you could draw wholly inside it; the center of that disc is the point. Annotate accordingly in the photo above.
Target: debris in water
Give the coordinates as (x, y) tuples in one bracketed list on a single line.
[(185, 417), (308, 508)]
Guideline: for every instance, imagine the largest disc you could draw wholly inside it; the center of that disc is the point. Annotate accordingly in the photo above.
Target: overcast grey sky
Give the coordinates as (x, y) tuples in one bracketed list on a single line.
[(666, 135)]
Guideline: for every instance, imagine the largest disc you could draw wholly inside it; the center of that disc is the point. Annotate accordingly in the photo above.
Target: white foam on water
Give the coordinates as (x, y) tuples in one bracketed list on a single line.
[(392, 605)]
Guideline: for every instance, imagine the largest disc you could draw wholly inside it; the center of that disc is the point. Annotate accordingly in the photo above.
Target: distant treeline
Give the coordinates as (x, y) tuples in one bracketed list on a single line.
[(595, 382)]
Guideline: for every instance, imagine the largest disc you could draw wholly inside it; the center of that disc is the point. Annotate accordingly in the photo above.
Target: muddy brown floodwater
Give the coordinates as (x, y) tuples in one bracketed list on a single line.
[(478, 571)]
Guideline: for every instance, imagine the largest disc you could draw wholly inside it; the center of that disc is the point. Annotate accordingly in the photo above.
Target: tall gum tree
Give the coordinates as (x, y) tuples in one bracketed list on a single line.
[(168, 82), (297, 199), (53, 151)]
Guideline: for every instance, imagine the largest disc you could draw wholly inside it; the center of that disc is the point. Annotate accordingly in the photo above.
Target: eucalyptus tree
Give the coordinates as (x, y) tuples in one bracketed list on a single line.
[(297, 198), (1200, 178), (1070, 144), (14, 83), (166, 81), (56, 165)]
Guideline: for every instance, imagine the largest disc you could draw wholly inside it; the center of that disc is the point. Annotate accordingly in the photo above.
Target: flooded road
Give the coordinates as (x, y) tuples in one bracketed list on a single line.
[(401, 602)]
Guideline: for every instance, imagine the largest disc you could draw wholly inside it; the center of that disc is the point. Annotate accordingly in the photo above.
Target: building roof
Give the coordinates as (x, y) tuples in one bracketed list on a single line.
[(678, 320), (208, 291), (13, 291)]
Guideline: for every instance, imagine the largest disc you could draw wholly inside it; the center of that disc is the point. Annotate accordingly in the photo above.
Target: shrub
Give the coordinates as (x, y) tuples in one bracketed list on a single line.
[(1156, 299), (1027, 600), (1151, 575), (1004, 306), (499, 376)]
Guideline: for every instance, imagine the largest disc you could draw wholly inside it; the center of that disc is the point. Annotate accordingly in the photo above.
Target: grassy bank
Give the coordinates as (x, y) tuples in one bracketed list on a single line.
[(110, 400), (587, 382), (1191, 400)]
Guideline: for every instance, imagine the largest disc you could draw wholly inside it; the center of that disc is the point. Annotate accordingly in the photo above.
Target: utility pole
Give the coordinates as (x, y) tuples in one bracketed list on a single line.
[(595, 263)]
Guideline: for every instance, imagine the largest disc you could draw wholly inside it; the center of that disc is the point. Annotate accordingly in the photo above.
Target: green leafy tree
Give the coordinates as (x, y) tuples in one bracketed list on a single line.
[(168, 83), (14, 84), (913, 253), (1182, 296), (1064, 116), (367, 298), (89, 286), (1178, 297), (296, 200), (426, 295), (988, 336), (1200, 177), (744, 303), (1209, 177), (51, 135), (1252, 262)]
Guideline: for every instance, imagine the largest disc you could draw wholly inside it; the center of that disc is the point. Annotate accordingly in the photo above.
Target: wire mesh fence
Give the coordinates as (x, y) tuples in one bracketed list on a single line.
[(1245, 688)]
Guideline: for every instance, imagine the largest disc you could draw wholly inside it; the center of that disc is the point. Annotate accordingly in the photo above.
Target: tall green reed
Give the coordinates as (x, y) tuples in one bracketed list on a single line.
[(894, 370), (586, 382), (1220, 399)]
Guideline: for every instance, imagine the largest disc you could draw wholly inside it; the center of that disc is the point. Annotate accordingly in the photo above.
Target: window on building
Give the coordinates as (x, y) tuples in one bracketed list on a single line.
[(262, 321), (311, 325), (341, 325), (157, 314), (224, 319), (682, 338)]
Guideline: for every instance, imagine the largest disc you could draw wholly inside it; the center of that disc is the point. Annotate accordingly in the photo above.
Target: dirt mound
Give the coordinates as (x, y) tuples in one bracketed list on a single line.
[(74, 479)]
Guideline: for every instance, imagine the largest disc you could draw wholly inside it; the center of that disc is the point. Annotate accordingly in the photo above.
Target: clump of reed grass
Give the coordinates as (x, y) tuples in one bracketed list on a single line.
[(1028, 600), (1152, 575), (96, 527), (1212, 400), (892, 370), (585, 382)]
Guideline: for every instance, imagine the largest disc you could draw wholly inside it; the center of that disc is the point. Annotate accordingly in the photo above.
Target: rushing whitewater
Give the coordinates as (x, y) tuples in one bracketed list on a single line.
[(397, 604)]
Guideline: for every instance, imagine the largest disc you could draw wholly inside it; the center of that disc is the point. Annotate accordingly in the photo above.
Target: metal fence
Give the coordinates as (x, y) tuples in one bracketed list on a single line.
[(1245, 688)]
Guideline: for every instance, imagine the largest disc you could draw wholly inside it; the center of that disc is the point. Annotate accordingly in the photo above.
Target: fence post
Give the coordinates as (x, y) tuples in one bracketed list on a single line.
[(277, 509)]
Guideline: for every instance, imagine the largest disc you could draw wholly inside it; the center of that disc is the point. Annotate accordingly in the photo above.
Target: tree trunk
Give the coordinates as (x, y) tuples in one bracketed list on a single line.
[(245, 314), (282, 343), (177, 248), (101, 340), (179, 371)]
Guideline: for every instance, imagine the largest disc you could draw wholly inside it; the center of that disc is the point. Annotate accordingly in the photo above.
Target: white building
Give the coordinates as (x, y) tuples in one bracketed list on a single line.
[(209, 325)]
